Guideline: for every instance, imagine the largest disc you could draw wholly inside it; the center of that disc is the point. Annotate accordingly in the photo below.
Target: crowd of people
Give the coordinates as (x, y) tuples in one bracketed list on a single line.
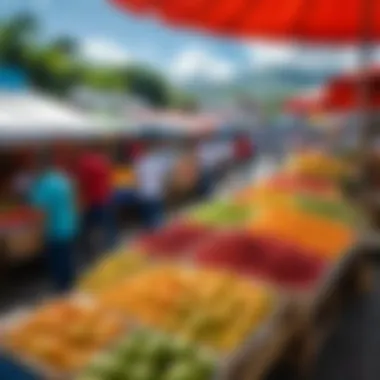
[(75, 196)]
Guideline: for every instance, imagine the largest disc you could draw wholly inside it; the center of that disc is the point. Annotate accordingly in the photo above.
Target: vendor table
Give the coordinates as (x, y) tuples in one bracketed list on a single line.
[(21, 231)]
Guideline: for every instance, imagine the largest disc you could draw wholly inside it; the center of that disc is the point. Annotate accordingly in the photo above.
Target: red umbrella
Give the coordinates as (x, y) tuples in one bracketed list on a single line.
[(344, 21), (341, 92)]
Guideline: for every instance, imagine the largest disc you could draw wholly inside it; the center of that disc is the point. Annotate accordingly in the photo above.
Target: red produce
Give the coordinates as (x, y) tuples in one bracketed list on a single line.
[(260, 256), (296, 268), (237, 250), (172, 241)]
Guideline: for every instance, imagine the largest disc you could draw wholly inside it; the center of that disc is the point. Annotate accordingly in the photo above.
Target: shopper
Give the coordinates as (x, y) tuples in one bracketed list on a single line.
[(243, 152), (23, 179), (94, 178), (53, 193), (208, 158), (152, 171)]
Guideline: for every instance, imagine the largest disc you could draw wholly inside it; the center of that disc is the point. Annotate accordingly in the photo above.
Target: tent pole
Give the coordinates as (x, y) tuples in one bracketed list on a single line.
[(364, 58), (368, 198)]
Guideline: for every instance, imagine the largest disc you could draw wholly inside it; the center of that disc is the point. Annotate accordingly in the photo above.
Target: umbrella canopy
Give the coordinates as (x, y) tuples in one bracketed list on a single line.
[(341, 92), (342, 21)]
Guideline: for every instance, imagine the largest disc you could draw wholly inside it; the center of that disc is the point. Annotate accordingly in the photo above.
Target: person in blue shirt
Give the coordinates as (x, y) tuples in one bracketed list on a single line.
[(53, 193)]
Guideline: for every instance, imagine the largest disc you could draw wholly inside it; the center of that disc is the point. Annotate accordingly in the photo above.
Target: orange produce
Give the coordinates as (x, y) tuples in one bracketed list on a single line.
[(262, 194), (64, 335), (315, 233)]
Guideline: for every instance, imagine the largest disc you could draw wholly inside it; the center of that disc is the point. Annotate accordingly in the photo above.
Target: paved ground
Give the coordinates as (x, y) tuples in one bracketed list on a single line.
[(352, 352)]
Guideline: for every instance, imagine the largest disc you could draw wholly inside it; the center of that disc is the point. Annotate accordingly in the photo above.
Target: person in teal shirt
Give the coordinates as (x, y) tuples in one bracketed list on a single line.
[(53, 193)]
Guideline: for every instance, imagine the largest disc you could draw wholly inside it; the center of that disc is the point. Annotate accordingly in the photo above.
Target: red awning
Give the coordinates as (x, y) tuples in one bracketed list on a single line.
[(306, 20), (342, 92)]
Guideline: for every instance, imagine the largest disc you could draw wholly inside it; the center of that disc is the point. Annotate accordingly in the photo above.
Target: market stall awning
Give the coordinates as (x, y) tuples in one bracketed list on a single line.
[(32, 116), (305, 20), (342, 91)]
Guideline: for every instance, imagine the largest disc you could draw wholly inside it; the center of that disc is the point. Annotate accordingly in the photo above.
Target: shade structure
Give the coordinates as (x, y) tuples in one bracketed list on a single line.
[(341, 92), (27, 117), (341, 21)]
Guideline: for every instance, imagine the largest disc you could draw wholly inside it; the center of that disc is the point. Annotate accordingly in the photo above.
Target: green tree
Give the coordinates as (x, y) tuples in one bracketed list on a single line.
[(148, 85), (57, 68), (16, 38), (104, 79)]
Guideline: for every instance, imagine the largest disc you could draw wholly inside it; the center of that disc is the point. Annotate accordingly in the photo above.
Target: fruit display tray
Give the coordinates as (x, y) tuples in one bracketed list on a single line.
[(255, 345), (262, 347), (255, 356), (300, 314), (28, 367), (309, 300), (31, 368), (318, 310)]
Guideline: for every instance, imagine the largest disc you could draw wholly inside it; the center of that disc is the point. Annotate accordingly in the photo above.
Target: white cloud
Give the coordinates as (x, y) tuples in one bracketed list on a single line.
[(101, 51), (263, 55), (196, 62)]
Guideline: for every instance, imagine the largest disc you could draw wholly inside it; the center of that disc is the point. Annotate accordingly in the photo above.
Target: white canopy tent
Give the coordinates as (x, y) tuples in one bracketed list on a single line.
[(29, 116)]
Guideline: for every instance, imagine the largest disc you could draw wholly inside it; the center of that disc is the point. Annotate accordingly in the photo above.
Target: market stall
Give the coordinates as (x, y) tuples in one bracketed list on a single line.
[(33, 123), (171, 295)]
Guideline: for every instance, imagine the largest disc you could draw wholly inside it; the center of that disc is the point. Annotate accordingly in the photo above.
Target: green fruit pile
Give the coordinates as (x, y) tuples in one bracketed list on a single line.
[(147, 355), (221, 213), (331, 209)]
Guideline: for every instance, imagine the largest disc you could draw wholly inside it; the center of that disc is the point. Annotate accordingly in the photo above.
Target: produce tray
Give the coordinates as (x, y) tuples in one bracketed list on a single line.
[(262, 347), (29, 367), (309, 300), (254, 358), (33, 367), (267, 338)]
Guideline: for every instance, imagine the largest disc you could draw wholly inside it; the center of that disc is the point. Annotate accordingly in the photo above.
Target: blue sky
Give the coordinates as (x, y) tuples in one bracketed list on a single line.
[(107, 36)]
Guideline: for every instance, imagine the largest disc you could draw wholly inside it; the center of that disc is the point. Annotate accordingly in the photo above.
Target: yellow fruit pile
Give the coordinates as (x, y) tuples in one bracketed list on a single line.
[(212, 307), (63, 336), (316, 164), (111, 270)]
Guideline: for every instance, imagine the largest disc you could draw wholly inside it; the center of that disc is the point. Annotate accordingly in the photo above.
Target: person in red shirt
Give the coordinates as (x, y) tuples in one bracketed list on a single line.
[(137, 149), (94, 179), (244, 151)]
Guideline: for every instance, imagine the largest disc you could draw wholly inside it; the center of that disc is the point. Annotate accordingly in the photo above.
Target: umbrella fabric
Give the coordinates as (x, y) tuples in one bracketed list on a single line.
[(342, 92), (338, 21)]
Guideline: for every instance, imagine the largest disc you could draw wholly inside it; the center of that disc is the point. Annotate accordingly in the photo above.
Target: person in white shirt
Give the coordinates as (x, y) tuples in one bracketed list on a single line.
[(225, 156), (152, 171)]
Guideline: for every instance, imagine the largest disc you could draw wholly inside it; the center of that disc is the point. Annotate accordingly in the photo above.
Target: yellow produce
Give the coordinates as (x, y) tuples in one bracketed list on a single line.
[(316, 164), (111, 270), (212, 307)]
